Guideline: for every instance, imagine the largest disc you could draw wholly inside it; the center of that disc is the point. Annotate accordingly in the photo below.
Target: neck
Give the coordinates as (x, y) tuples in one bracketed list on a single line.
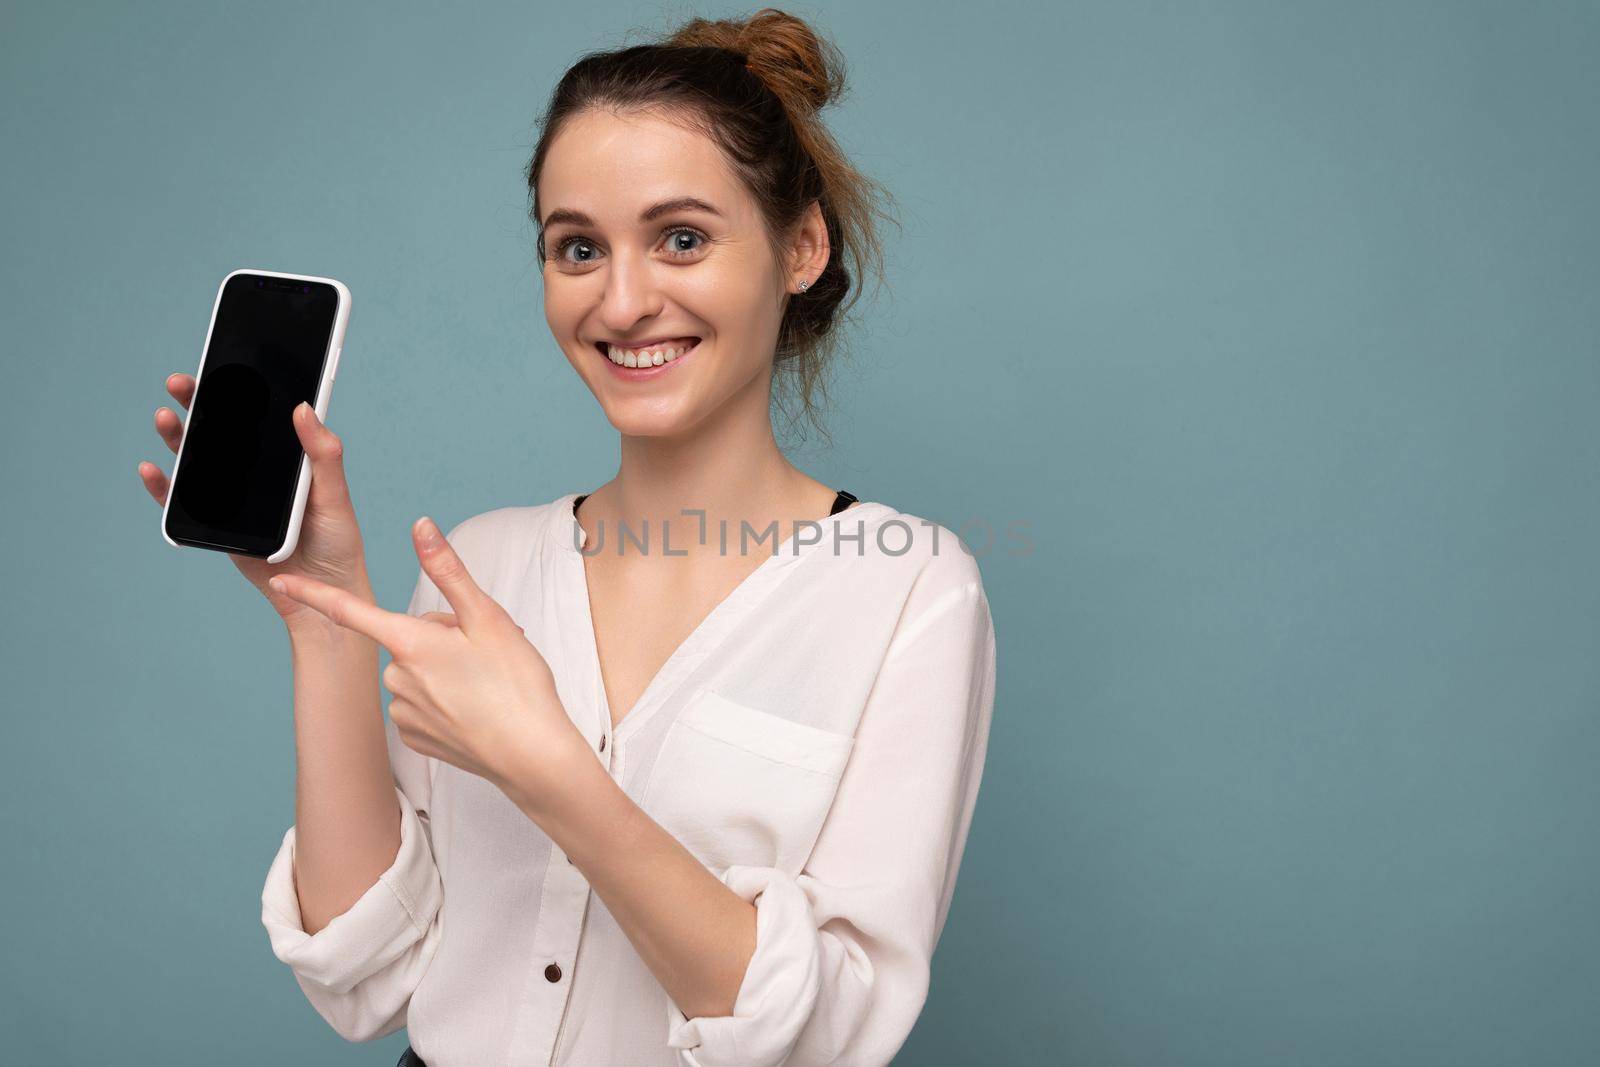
[(729, 466)]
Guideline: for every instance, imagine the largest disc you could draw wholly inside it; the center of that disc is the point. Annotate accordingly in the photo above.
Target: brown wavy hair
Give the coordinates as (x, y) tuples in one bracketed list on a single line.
[(755, 86)]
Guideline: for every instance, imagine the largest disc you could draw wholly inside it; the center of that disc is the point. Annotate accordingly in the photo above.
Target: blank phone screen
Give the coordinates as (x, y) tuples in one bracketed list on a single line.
[(234, 485)]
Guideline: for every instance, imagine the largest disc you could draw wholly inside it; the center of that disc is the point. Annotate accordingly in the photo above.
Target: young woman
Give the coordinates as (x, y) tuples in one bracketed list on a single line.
[(680, 770)]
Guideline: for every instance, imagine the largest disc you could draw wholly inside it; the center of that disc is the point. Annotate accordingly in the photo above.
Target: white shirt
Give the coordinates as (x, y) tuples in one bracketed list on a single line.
[(817, 742)]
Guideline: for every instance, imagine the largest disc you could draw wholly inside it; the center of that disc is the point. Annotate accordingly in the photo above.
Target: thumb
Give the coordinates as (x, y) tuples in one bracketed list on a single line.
[(326, 452), (472, 606)]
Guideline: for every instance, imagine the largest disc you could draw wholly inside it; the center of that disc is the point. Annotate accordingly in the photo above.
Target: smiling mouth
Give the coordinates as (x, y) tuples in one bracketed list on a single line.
[(653, 355)]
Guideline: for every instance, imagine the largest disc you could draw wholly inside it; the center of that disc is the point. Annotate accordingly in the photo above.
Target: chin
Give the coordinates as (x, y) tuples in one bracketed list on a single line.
[(642, 420)]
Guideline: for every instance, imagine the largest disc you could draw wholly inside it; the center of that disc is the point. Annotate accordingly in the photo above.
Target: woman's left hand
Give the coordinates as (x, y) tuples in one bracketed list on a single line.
[(469, 688)]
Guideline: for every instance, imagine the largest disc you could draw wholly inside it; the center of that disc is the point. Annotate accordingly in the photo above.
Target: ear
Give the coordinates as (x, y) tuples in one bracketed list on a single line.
[(808, 249)]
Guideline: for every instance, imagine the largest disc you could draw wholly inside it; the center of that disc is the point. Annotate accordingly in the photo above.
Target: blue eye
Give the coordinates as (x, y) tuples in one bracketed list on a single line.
[(683, 231), (561, 249), (676, 236)]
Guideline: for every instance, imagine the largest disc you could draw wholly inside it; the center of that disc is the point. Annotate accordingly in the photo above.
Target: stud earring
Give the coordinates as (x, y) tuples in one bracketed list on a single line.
[(803, 286)]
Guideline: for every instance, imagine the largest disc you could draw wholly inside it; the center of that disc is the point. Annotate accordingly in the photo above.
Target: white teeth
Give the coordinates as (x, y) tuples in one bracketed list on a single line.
[(631, 357)]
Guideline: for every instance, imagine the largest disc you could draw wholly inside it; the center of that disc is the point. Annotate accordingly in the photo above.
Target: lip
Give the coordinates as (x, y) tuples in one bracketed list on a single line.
[(639, 374), (649, 342)]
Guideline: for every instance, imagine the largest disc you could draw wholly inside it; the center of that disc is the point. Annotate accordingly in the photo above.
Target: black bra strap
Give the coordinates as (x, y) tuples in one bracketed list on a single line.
[(840, 502)]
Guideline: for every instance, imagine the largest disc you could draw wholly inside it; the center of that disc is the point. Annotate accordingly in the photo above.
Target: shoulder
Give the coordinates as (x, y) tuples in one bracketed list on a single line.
[(909, 568), (946, 611), (928, 553), (495, 546), (496, 524), (513, 522), (490, 537)]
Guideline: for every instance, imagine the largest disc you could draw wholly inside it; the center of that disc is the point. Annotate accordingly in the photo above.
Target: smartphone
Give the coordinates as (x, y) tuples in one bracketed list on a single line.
[(241, 478)]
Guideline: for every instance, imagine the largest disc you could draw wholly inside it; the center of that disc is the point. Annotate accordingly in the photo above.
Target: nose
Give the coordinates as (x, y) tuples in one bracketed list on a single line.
[(631, 294)]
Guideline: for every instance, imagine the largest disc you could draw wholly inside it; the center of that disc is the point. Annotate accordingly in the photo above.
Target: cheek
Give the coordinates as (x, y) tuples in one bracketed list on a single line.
[(558, 304), (736, 302), (564, 308)]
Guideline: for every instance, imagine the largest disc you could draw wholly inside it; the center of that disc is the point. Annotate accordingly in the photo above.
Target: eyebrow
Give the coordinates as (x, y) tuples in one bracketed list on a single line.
[(654, 211)]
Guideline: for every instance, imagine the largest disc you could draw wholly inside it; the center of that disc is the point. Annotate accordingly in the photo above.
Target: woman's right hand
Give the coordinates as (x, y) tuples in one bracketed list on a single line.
[(329, 548)]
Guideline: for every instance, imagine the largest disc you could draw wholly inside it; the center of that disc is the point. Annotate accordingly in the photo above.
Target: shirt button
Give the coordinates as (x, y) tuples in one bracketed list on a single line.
[(553, 972)]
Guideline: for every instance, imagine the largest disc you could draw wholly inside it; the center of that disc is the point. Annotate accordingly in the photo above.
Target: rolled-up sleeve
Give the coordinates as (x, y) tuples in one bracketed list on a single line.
[(843, 951), (360, 970)]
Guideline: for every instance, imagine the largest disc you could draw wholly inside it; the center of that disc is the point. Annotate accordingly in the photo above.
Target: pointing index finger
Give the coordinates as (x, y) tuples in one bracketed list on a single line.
[(472, 606), (344, 608)]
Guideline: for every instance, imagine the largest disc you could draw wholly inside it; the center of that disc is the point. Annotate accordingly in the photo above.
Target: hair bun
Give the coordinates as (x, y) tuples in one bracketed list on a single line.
[(780, 49)]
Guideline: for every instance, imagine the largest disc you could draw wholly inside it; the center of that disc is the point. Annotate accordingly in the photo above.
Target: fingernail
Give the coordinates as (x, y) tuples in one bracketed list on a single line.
[(428, 531), (277, 584)]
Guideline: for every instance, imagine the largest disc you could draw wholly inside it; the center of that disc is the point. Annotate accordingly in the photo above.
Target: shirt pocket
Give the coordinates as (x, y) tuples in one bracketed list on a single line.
[(738, 785)]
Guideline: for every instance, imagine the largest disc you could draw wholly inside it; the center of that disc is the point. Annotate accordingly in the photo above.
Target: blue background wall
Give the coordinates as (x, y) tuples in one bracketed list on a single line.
[(1275, 323)]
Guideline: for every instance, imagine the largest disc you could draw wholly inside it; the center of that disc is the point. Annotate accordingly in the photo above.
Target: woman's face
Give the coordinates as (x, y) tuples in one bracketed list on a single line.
[(621, 269)]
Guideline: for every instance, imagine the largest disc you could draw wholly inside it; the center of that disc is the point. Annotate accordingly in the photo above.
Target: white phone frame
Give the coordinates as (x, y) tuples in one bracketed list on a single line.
[(330, 370)]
